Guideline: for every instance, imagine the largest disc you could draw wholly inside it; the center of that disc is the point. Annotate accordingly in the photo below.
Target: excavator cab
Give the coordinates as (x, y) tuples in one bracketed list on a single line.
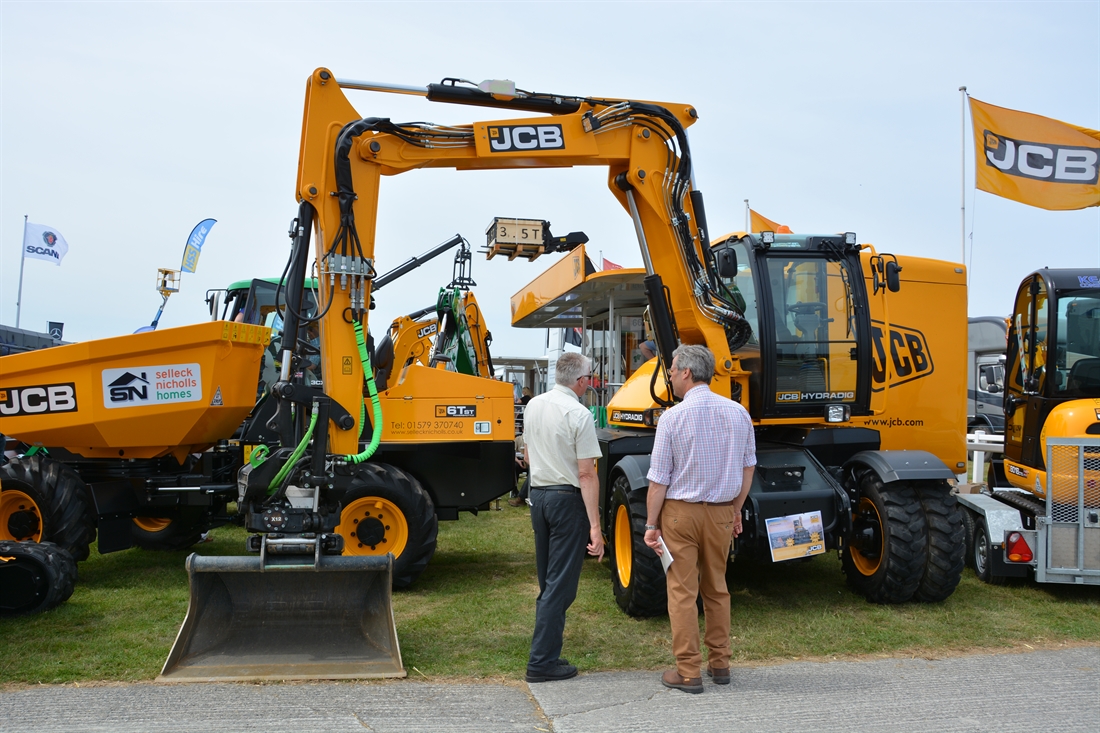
[(809, 354)]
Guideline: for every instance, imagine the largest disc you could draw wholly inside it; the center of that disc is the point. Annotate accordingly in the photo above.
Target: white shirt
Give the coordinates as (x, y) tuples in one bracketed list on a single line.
[(558, 431)]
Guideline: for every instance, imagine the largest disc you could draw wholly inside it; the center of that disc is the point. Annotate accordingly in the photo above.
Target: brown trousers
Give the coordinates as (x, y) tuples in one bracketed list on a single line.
[(699, 537)]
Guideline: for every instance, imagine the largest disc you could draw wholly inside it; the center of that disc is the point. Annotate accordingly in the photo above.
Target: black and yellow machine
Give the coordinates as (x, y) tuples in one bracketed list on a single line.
[(802, 346), (1046, 522)]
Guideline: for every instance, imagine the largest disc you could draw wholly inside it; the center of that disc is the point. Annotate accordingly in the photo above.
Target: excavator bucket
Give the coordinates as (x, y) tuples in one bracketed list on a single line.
[(248, 621)]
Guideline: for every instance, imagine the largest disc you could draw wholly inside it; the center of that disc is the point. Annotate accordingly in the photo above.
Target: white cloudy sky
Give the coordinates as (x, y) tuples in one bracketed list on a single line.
[(124, 124)]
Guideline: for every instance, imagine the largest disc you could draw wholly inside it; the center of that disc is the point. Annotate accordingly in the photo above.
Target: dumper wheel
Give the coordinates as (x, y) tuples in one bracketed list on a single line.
[(946, 554), (166, 534), (387, 510), (637, 578), (886, 555), (47, 503), (34, 577)]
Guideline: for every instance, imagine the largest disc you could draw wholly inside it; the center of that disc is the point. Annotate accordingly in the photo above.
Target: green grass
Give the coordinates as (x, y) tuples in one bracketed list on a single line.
[(471, 614)]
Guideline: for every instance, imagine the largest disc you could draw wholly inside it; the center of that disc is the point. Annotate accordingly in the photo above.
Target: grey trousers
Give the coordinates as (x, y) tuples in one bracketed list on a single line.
[(561, 536)]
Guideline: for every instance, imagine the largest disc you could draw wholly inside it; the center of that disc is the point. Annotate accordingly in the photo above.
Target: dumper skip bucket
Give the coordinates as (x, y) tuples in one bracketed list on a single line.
[(332, 619)]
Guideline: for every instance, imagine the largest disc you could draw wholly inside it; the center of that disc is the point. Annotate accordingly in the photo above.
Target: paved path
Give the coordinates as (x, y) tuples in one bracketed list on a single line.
[(1043, 690)]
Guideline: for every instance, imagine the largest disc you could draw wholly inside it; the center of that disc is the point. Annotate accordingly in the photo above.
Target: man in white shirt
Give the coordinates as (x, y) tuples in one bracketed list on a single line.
[(560, 446)]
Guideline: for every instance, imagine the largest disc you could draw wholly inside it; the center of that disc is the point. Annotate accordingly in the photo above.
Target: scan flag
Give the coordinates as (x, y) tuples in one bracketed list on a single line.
[(1035, 160), (41, 242), (194, 244)]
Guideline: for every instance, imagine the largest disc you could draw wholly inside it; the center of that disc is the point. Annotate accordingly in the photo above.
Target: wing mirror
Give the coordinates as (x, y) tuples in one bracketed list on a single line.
[(727, 263)]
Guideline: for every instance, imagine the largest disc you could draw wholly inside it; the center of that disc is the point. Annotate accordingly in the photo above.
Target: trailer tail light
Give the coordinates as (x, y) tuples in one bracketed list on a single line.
[(1017, 549)]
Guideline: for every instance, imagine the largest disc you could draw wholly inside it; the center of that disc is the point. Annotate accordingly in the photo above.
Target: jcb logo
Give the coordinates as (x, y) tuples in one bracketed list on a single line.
[(1041, 161), (525, 137), (456, 410), (43, 398), (903, 356), (427, 330), (788, 396)]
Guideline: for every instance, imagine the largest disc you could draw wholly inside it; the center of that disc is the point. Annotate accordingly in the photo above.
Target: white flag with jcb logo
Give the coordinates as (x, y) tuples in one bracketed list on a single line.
[(41, 242), (1035, 160)]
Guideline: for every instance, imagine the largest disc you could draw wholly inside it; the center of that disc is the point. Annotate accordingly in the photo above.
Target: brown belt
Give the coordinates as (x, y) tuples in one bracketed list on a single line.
[(707, 503)]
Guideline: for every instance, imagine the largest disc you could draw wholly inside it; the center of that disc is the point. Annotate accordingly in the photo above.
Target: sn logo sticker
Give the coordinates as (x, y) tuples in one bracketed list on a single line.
[(510, 138)]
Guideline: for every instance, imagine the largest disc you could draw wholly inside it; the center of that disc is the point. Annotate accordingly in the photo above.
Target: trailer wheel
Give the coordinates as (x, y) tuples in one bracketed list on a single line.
[(886, 556), (968, 526), (49, 503), (637, 578), (387, 510), (983, 555), (946, 554), (163, 534), (34, 577)]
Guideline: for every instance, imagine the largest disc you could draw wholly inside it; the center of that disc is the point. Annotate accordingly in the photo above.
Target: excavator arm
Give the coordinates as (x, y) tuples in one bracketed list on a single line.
[(643, 145)]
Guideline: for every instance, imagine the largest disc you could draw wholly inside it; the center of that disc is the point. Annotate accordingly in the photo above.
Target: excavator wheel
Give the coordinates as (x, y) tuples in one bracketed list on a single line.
[(637, 578), (164, 534), (34, 577), (387, 510), (48, 503), (946, 554), (885, 560)]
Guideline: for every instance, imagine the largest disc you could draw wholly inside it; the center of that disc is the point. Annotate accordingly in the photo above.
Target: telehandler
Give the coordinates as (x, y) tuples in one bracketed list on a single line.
[(1046, 522)]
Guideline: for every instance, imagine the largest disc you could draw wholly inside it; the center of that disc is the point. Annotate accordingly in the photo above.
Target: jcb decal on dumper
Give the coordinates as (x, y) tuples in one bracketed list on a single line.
[(38, 399), (909, 356)]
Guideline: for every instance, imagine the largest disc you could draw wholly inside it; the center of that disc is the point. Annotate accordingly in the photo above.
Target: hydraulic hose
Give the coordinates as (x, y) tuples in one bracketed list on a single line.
[(290, 462), (376, 406)]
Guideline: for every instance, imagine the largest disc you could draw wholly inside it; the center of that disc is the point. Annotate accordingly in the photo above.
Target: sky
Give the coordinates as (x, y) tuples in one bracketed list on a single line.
[(123, 125)]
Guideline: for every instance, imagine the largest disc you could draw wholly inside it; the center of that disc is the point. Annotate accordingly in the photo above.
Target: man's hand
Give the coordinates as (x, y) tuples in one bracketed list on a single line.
[(595, 544), (737, 525), (652, 537)]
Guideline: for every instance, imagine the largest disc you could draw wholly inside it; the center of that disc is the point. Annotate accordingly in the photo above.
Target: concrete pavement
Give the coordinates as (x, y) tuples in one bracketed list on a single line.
[(1049, 690)]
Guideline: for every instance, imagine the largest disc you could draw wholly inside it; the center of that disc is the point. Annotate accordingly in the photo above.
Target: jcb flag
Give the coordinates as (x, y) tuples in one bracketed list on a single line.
[(763, 224), (1035, 160)]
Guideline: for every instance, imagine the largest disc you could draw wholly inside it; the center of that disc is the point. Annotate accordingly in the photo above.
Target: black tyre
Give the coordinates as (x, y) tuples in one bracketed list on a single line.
[(387, 510), (162, 534), (982, 555), (34, 577), (886, 557), (637, 578), (45, 501), (946, 555)]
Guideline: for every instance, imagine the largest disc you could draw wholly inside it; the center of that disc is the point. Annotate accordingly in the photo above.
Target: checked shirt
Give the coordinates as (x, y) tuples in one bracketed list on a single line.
[(702, 447)]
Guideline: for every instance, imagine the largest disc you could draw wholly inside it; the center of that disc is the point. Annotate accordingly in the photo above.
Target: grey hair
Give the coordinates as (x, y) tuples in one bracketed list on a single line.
[(696, 359), (570, 367)]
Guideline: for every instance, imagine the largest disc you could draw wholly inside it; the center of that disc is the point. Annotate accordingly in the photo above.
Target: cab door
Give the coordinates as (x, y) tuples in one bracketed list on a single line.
[(1025, 383)]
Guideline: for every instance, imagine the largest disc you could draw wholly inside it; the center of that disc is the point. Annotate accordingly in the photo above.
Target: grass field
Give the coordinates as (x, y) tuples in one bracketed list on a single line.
[(471, 613)]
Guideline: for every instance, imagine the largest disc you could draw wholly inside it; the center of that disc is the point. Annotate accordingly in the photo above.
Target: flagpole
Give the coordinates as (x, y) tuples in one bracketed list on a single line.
[(22, 259), (962, 185)]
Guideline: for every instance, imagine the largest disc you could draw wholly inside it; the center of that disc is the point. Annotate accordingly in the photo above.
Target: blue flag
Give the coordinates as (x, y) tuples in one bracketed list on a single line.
[(194, 244)]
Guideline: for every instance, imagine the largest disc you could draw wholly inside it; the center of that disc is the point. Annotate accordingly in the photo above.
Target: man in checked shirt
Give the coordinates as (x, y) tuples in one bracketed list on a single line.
[(700, 472)]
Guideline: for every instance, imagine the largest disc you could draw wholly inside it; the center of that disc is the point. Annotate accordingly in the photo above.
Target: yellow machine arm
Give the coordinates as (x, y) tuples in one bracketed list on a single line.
[(643, 145)]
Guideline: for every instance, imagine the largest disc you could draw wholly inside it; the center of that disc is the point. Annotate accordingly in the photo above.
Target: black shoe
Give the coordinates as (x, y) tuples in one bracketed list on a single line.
[(559, 672)]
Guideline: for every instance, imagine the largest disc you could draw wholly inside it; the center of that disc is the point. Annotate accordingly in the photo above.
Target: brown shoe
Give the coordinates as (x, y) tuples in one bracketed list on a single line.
[(515, 501), (673, 679), (721, 676)]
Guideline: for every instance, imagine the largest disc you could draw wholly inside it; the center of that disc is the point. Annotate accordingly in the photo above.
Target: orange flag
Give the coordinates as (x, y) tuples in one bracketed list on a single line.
[(763, 224), (1035, 160)]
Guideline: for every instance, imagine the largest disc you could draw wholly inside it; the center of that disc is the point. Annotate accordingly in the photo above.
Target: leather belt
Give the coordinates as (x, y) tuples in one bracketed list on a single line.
[(565, 488), (707, 503)]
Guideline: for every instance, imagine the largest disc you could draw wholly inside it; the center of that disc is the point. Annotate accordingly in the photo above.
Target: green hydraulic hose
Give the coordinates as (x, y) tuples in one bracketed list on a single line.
[(376, 406), (294, 456)]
